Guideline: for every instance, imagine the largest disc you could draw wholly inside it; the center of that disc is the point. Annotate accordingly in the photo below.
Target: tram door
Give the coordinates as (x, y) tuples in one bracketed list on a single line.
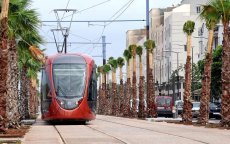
[(92, 95), (46, 96)]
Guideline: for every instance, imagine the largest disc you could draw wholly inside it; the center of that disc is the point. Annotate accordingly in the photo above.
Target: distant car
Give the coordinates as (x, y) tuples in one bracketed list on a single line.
[(195, 109), (214, 110), (164, 105), (179, 106)]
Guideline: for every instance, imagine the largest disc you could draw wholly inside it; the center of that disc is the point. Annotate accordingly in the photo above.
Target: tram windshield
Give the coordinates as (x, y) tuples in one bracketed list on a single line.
[(69, 80)]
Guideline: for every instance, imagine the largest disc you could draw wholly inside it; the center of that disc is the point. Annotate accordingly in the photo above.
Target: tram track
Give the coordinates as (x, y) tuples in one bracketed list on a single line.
[(94, 129), (107, 134), (59, 133), (160, 132)]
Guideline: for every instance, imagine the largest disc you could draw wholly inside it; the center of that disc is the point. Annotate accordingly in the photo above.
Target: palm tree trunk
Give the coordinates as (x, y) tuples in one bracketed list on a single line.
[(121, 93), (12, 85), (141, 112), (128, 97), (24, 94), (128, 93), (134, 89), (99, 106), (206, 84), (141, 107), (225, 76), (103, 96), (108, 97), (115, 103), (3, 62), (151, 106), (187, 108), (32, 97)]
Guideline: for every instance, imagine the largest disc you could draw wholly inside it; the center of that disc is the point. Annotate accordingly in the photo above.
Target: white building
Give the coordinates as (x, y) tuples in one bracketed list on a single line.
[(166, 29)]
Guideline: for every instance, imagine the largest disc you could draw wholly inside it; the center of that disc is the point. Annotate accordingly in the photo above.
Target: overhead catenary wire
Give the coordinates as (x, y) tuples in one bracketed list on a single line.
[(125, 7), (90, 7), (113, 18), (80, 37), (120, 13), (119, 10), (65, 8)]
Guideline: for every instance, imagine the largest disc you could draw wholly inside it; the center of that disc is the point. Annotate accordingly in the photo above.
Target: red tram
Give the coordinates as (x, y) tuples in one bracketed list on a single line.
[(69, 88)]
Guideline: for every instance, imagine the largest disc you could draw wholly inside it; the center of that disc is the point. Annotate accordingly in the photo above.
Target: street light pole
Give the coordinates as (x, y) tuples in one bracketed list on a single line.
[(168, 75), (192, 75), (177, 56), (178, 90), (147, 54)]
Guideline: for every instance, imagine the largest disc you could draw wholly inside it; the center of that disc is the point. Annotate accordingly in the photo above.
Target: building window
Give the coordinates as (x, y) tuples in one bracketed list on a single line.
[(198, 9)]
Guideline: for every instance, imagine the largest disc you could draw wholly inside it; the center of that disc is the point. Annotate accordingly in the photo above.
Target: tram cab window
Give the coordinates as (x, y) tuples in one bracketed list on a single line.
[(93, 86), (45, 87)]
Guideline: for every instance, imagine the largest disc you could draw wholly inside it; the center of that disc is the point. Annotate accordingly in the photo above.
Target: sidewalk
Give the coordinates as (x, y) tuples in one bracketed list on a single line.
[(164, 119), (42, 133)]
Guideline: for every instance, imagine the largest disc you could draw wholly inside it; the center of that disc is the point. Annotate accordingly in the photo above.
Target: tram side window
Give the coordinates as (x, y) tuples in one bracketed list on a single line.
[(45, 87), (93, 86)]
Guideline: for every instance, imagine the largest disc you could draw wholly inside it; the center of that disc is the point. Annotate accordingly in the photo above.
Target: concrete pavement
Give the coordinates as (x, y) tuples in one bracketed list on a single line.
[(108, 129)]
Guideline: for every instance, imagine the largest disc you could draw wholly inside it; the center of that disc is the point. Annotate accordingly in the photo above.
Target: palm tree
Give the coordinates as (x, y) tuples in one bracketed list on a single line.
[(212, 17), (127, 56), (151, 106), (26, 61), (107, 69), (115, 102), (100, 98), (21, 20), (3, 61), (141, 106), (132, 50), (121, 63), (188, 29), (28, 69), (33, 66), (223, 7), (103, 91)]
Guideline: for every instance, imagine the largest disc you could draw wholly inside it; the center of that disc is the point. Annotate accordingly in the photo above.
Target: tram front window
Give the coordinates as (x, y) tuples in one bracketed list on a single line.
[(69, 80)]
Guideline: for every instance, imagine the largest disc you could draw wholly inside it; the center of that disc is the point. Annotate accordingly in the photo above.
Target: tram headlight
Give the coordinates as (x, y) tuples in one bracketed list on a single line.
[(61, 102), (67, 104)]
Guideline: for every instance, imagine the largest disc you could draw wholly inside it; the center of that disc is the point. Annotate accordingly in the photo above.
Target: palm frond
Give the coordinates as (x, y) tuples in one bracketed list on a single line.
[(149, 45), (189, 27), (120, 62), (106, 68), (139, 51), (127, 55)]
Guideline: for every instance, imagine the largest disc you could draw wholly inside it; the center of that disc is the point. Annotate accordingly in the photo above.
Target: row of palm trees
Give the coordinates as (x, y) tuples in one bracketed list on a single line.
[(212, 13), (20, 60), (116, 101)]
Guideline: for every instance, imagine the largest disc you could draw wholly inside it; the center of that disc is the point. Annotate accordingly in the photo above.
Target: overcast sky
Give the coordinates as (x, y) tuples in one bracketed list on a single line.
[(91, 32)]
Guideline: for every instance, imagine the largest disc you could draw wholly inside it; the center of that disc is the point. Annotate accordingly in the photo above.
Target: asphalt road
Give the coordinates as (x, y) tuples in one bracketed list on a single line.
[(116, 130)]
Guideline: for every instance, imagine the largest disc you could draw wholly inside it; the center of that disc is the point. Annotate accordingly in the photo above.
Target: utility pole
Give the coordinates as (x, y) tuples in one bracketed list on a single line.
[(192, 75), (104, 50), (147, 38), (178, 79), (168, 76)]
